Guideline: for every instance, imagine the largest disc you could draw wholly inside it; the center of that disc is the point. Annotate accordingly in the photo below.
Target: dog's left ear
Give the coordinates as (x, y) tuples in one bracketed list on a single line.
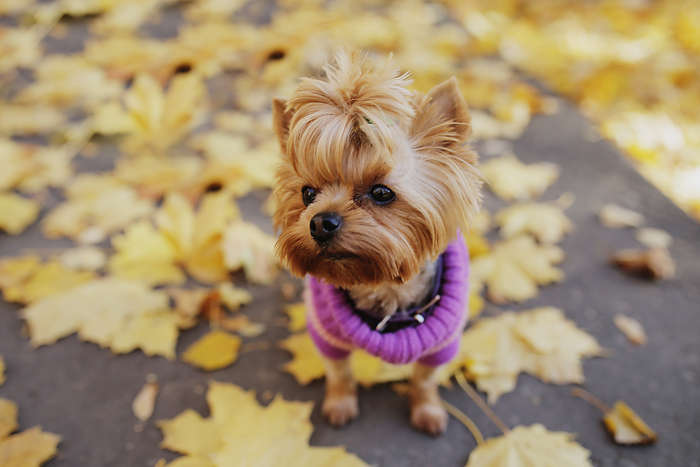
[(442, 117), (281, 117)]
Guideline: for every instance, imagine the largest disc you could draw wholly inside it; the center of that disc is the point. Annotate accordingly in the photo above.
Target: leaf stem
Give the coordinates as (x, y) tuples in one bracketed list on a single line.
[(466, 421), (480, 402), (591, 399)]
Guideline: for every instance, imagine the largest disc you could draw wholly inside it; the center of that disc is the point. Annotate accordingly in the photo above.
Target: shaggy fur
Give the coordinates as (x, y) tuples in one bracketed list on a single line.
[(359, 126)]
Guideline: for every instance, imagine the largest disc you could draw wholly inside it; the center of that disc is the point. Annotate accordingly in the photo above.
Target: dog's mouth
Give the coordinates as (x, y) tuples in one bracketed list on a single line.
[(337, 255)]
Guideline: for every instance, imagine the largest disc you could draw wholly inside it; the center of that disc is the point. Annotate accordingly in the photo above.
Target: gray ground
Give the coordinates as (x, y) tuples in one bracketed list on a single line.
[(84, 393)]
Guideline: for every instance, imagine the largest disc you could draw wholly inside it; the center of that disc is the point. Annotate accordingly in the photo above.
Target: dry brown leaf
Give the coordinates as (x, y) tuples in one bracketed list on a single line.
[(546, 221), (530, 446), (510, 179), (516, 267), (111, 312), (655, 263), (240, 432), (2, 371), (215, 350), (540, 341), (145, 400), (616, 217), (627, 427), (631, 328), (17, 213), (30, 448)]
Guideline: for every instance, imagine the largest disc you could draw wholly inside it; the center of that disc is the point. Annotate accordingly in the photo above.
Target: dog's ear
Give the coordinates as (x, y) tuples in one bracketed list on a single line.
[(281, 117), (442, 117)]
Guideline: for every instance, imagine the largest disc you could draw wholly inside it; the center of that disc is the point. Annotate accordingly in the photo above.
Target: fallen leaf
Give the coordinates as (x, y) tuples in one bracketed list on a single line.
[(41, 280), (627, 427), (654, 238), (83, 258), (511, 179), (233, 297), (15, 270), (631, 328), (216, 350), (516, 267), (540, 341), (546, 221), (144, 254), (30, 448), (8, 418), (188, 304), (17, 213), (240, 432), (111, 312), (145, 400), (249, 248), (307, 365), (197, 237), (617, 217), (2, 371), (242, 325), (655, 263), (296, 313), (530, 446), (96, 206)]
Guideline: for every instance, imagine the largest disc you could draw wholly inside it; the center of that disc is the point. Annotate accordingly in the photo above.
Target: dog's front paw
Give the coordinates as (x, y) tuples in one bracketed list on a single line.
[(429, 417), (340, 409)]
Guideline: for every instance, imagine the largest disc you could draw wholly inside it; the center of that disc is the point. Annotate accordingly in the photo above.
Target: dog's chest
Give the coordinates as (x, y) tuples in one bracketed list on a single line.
[(386, 299)]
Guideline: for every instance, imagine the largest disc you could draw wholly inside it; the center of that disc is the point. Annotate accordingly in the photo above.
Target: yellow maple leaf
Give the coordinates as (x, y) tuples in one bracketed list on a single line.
[(540, 341), (296, 313), (152, 117), (197, 237), (627, 427), (246, 246), (241, 432), (530, 446), (306, 364), (30, 448), (111, 312), (17, 213), (515, 267), (145, 254), (97, 205), (213, 351), (31, 280), (511, 179), (546, 221)]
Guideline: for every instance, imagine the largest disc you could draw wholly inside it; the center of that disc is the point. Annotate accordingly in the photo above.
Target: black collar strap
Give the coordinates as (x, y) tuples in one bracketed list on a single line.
[(410, 317)]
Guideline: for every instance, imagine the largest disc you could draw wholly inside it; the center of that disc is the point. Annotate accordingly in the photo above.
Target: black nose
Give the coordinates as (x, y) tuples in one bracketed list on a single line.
[(324, 226)]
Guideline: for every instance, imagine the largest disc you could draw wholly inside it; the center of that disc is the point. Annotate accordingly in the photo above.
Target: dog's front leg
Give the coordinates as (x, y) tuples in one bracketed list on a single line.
[(427, 412), (340, 404)]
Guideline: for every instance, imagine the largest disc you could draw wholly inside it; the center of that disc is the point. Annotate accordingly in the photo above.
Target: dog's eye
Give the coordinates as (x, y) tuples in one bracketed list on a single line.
[(308, 195), (382, 194)]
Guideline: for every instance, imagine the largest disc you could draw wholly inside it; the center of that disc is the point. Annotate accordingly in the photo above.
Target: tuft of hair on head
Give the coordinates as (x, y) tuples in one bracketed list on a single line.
[(359, 102)]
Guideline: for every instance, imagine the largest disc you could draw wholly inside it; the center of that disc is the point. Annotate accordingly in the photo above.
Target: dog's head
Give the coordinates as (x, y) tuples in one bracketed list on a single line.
[(375, 180)]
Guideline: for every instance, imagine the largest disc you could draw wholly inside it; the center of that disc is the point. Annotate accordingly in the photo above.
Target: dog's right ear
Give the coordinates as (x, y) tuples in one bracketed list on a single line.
[(281, 118)]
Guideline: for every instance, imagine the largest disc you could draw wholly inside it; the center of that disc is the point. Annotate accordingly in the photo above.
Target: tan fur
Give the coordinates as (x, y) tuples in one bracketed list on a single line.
[(359, 126)]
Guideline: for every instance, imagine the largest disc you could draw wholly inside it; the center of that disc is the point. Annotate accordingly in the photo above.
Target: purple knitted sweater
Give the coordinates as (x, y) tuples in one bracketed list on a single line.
[(336, 328)]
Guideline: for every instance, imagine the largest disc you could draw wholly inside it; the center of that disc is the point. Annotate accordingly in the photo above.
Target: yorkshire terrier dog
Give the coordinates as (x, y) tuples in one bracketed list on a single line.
[(374, 187)]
